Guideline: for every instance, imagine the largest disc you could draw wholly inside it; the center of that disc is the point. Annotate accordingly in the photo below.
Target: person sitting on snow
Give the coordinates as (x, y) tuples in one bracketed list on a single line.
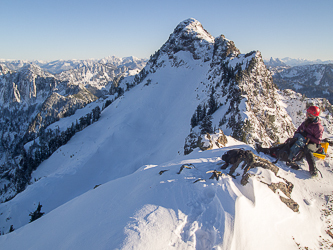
[(307, 138), (312, 131)]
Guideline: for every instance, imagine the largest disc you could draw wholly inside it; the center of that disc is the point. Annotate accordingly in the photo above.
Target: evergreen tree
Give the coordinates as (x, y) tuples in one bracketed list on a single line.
[(73, 128), (77, 126), (37, 214), (107, 103), (82, 122), (199, 113), (223, 121), (96, 114), (88, 119), (194, 121), (204, 112), (206, 125), (120, 91), (212, 104)]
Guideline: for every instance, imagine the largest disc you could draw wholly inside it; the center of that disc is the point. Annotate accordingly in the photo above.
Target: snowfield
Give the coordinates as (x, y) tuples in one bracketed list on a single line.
[(149, 210)]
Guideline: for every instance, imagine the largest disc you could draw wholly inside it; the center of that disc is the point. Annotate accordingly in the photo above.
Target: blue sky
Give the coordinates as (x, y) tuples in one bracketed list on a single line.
[(83, 29)]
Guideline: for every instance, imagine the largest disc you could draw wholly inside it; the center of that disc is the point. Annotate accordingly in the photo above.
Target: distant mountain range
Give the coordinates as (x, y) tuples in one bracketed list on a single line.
[(311, 78), (287, 61), (58, 66)]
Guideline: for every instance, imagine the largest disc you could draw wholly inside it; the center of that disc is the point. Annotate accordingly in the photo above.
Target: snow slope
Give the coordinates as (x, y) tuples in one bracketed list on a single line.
[(146, 210), (145, 126)]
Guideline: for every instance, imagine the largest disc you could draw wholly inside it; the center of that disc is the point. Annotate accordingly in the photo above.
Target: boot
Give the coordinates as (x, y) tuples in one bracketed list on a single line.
[(314, 172), (292, 165), (258, 147)]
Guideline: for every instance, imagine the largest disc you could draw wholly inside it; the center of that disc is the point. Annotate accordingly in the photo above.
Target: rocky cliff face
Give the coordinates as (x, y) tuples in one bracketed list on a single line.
[(25, 86), (246, 91)]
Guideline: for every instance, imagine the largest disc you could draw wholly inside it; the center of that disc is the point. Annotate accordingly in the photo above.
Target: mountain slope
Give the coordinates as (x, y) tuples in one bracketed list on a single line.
[(143, 132), (144, 126)]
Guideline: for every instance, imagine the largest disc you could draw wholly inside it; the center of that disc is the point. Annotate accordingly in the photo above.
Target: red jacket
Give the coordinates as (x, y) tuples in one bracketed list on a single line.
[(313, 130)]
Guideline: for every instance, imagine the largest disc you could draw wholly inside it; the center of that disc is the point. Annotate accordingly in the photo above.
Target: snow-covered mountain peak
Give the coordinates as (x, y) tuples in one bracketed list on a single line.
[(3, 69), (194, 28), (130, 61), (275, 63), (32, 69), (189, 35)]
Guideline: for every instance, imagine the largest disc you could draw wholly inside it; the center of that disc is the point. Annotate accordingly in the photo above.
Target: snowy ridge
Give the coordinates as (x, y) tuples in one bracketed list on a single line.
[(119, 183), (147, 210)]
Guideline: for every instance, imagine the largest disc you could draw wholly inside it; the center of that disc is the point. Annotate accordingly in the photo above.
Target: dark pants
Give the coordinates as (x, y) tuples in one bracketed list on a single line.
[(308, 151)]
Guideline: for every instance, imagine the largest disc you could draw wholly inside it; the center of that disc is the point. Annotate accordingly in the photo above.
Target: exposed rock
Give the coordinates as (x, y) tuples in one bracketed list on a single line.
[(221, 140), (286, 187), (190, 36), (204, 142), (250, 160), (290, 203)]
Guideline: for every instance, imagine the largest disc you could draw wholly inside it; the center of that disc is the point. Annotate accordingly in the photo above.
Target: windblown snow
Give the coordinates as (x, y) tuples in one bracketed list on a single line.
[(146, 210)]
